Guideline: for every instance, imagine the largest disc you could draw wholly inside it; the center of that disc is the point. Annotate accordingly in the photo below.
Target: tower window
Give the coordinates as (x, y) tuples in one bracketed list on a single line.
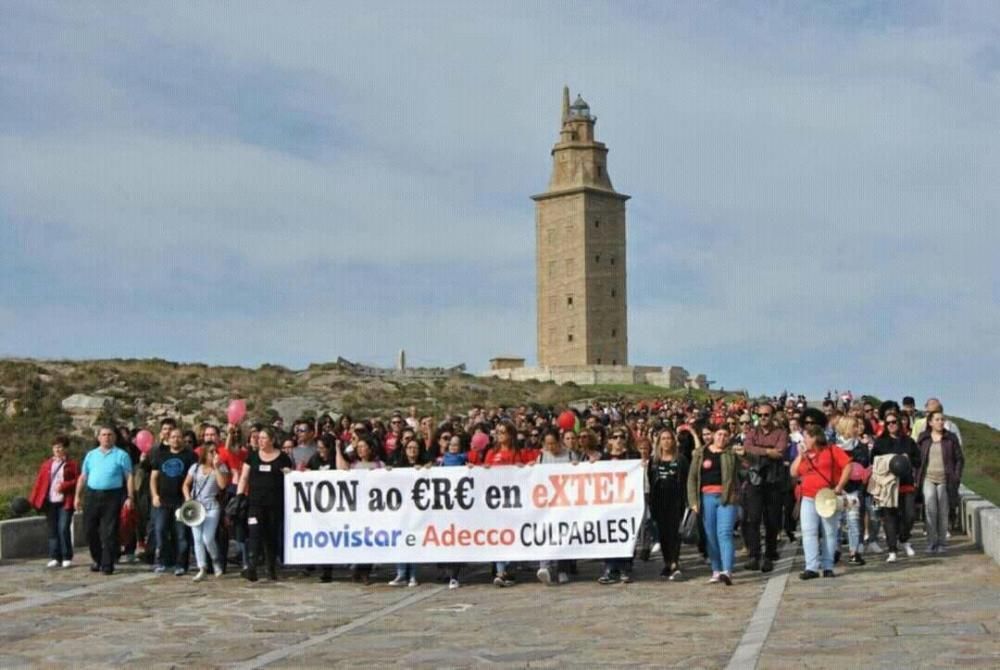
[(599, 170), (597, 258), (569, 301), (552, 235), (598, 361), (614, 362), (613, 293), (597, 223), (612, 260), (614, 332), (569, 266), (569, 338)]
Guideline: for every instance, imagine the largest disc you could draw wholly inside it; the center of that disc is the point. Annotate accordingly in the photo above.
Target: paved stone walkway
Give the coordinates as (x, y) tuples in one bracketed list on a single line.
[(922, 612)]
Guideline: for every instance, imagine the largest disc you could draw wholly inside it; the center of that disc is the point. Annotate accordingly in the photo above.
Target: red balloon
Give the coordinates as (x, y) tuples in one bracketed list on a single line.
[(144, 440), (237, 410), (567, 420)]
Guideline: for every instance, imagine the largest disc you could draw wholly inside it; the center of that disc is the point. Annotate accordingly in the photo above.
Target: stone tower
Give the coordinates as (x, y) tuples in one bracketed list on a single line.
[(580, 242)]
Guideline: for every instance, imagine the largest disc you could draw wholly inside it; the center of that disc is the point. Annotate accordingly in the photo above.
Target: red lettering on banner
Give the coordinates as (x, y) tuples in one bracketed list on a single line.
[(481, 537), (603, 488), (622, 478)]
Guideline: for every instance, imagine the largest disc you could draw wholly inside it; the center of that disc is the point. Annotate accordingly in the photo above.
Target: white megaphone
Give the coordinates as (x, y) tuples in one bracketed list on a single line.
[(191, 513)]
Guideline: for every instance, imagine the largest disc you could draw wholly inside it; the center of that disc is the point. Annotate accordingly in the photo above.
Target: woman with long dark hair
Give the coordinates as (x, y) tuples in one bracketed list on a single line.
[(504, 453), (263, 482)]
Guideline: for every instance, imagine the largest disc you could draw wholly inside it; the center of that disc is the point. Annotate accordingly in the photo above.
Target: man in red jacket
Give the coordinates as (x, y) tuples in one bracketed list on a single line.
[(53, 493)]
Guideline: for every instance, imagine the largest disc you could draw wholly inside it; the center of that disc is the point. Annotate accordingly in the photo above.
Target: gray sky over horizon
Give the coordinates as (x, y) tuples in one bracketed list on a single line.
[(814, 200)]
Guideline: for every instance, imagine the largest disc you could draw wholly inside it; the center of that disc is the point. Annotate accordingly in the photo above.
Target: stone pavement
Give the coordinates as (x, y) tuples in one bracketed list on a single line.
[(921, 612)]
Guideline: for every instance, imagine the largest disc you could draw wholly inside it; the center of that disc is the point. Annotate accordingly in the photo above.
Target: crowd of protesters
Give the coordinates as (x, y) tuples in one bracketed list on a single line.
[(735, 470)]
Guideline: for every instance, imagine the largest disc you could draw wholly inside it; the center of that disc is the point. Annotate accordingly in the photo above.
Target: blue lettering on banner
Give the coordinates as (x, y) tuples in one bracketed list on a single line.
[(333, 539)]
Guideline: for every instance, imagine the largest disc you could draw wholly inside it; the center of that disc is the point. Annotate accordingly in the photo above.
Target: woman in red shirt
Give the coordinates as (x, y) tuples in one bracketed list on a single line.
[(504, 453), (819, 466), (53, 493)]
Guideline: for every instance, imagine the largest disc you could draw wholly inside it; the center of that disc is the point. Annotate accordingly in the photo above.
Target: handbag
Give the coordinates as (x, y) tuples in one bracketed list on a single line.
[(690, 527)]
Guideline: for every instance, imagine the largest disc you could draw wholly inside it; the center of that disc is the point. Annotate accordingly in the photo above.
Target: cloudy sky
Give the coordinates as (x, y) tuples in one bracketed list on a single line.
[(814, 186)]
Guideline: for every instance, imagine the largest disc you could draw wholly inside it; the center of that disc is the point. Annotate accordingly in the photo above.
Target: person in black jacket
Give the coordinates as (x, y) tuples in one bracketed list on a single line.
[(668, 474), (898, 521)]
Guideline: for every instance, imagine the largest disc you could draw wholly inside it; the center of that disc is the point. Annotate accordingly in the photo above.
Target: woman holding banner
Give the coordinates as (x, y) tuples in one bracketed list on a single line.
[(711, 489), (263, 482), (411, 455), (364, 449), (556, 451), (504, 453)]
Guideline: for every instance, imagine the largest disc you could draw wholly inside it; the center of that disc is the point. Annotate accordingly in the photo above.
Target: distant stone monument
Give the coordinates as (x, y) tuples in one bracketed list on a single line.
[(581, 273), (580, 251)]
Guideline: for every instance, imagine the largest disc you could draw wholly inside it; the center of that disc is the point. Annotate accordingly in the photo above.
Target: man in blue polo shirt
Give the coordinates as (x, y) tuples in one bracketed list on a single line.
[(106, 471)]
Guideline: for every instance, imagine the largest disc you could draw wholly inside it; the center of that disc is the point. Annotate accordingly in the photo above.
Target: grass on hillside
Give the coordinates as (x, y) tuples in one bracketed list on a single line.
[(982, 459)]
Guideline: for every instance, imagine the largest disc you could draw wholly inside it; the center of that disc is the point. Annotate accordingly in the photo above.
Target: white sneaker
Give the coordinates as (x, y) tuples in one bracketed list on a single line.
[(874, 547), (67, 563), (891, 558), (452, 583), (218, 572), (52, 564), (947, 535), (398, 581), (940, 549), (128, 558), (413, 582), (908, 548), (563, 578), (655, 549), (200, 576), (544, 576)]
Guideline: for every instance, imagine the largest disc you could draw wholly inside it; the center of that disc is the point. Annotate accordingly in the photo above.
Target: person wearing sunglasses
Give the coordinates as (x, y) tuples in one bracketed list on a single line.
[(305, 444), (898, 521), (765, 447)]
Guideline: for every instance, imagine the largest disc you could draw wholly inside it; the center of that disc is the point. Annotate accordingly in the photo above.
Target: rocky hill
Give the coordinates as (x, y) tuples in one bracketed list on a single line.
[(41, 398)]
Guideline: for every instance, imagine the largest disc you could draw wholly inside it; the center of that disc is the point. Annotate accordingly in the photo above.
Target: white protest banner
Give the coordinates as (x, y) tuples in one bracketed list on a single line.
[(458, 514)]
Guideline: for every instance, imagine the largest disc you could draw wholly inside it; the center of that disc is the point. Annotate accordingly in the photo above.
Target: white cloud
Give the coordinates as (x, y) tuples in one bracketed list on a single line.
[(806, 182)]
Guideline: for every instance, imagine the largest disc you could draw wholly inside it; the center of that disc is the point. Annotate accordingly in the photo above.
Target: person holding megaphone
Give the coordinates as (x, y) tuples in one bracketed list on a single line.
[(204, 481), (824, 471)]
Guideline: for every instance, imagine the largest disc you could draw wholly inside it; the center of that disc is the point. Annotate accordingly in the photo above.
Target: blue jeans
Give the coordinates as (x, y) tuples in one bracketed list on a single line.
[(204, 540), (812, 522), (60, 540), (170, 534), (406, 571), (874, 519), (854, 507), (719, 522)]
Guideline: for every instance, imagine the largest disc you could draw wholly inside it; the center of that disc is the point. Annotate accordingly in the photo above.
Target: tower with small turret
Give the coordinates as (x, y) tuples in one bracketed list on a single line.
[(580, 251)]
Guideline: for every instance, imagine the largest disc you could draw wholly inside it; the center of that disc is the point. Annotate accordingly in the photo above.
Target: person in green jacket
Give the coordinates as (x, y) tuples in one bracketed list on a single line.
[(712, 493)]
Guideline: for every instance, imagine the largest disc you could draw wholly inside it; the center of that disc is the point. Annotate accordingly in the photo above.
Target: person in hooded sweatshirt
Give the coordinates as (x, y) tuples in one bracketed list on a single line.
[(898, 521)]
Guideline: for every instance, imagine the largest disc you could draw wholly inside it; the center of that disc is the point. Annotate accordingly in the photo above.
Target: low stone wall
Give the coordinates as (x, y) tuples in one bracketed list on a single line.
[(29, 537), (981, 521)]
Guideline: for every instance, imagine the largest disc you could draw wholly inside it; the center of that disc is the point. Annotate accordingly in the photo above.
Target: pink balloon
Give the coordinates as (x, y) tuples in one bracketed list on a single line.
[(144, 440), (480, 440), (237, 410)]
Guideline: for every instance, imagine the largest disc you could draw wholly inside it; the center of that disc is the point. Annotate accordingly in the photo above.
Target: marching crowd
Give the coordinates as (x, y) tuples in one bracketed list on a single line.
[(850, 474)]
